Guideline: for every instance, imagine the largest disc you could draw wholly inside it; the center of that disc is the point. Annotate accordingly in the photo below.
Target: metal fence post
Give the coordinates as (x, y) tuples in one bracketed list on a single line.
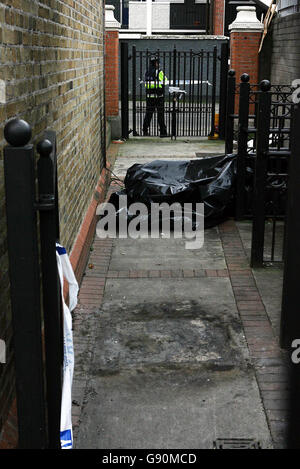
[(49, 233), (24, 283), (230, 112), (242, 145), (262, 146), (213, 96), (223, 89), (174, 117), (134, 91), (124, 90), (290, 319)]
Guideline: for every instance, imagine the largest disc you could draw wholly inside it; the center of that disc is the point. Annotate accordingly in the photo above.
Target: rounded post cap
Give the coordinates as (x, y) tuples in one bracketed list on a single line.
[(231, 73), (17, 132), (265, 85), (245, 78), (44, 147)]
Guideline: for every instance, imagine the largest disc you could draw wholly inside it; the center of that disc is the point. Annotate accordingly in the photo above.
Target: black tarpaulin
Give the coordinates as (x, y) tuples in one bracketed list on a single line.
[(208, 180)]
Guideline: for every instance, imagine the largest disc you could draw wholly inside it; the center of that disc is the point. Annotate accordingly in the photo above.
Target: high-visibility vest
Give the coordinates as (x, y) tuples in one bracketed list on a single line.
[(156, 85)]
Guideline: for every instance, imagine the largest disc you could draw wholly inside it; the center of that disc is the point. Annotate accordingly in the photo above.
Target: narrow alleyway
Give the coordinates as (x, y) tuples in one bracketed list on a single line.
[(174, 348)]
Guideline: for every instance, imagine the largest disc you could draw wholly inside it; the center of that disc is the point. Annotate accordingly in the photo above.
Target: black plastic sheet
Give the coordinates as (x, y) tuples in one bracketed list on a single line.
[(209, 180)]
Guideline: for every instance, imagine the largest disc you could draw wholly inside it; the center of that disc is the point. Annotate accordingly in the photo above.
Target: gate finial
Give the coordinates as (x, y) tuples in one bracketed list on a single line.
[(44, 147), (265, 85), (245, 78), (17, 132)]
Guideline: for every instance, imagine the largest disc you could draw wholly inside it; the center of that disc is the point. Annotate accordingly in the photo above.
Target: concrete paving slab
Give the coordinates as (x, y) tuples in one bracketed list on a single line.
[(122, 164), (166, 148), (174, 410), (160, 254)]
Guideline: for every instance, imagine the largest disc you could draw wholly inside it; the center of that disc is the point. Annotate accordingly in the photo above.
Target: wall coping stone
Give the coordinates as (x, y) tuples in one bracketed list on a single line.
[(246, 21), (111, 24)]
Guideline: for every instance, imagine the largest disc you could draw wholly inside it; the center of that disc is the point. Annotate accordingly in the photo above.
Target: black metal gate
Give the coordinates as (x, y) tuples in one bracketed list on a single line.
[(198, 73)]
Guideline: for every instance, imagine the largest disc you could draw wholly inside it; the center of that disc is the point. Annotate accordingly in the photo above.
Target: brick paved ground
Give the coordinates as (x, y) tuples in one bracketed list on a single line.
[(270, 362)]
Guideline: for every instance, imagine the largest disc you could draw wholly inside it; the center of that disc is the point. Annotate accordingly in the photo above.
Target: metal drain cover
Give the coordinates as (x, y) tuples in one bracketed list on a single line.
[(236, 443)]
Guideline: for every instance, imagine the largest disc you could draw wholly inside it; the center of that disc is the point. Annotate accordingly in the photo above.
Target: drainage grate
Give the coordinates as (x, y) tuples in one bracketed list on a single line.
[(236, 443)]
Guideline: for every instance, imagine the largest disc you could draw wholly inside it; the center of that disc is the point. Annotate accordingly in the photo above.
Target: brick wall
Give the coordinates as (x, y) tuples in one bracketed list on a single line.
[(280, 56), (218, 17), (52, 62)]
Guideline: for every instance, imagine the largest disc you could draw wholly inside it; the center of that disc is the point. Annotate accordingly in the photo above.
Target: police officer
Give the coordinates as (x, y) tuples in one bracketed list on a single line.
[(155, 81)]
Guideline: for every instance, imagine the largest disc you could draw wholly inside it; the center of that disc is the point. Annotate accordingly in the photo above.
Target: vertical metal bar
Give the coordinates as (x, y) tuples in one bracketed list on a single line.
[(190, 94), (242, 145), (223, 89), (24, 284), (262, 146), (193, 95), (156, 116), (142, 86), (184, 87), (170, 96), (198, 131), (124, 89), (167, 101), (46, 168), (207, 94), (174, 124), (174, 65), (213, 98), (134, 90), (179, 119), (230, 112), (201, 91)]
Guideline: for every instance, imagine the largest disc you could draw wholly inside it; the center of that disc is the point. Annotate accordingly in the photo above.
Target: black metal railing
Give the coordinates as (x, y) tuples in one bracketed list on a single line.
[(33, 274), (261, 129), (271, 173)]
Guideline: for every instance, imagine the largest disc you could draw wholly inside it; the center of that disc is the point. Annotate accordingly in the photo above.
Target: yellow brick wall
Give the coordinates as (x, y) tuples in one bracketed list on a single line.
[(51, 60)]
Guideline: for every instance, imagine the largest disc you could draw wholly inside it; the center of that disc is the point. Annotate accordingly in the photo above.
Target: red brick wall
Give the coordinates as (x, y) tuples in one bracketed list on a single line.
[(112, 73), (218, 17), (244, 55)]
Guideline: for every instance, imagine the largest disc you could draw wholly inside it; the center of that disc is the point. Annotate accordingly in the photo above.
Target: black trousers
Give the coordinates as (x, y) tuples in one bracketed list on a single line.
[(151, 105)]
